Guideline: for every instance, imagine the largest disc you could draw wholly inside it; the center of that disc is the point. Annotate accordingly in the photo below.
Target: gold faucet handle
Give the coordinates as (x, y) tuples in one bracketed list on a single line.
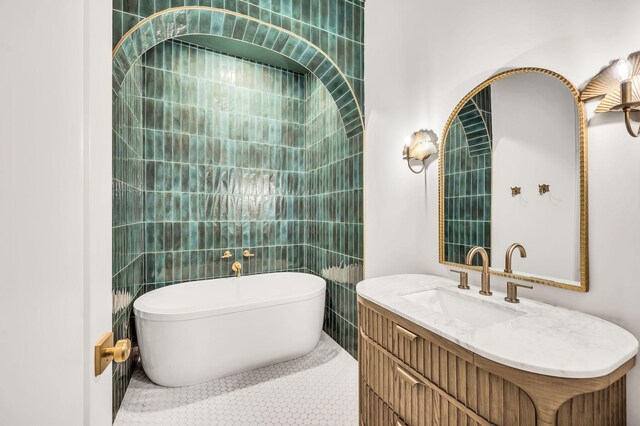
[(227, 254), (512, 291), (247, 253), (464, 279)]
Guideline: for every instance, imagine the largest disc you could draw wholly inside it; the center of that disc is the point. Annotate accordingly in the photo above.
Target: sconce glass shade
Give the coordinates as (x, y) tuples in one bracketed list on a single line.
[(422, 145), (622, 69), (619, 86)]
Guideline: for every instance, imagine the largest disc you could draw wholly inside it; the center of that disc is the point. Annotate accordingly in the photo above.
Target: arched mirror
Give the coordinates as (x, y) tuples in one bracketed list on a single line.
[(513, 169)]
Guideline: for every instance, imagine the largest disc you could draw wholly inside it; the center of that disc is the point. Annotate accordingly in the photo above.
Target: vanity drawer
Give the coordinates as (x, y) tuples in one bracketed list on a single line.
[(417, 348), (398, 340), (414, 402), (472, 397), (374, 411)]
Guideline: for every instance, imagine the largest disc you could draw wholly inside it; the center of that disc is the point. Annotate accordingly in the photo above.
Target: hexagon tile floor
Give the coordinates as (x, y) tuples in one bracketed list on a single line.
[(320, 388)]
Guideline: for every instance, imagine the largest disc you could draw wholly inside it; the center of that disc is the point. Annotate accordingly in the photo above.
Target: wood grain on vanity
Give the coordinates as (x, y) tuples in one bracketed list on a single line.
[(412, 376)]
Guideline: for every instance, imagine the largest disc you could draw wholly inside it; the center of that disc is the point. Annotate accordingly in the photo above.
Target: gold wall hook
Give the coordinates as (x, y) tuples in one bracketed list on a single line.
[(227, 254), (105, 352), (515, 190), (247, 253), (543, 188)]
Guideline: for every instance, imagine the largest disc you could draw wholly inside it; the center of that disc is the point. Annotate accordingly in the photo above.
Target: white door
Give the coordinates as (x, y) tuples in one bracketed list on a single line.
[(55, 210), (97, 160)]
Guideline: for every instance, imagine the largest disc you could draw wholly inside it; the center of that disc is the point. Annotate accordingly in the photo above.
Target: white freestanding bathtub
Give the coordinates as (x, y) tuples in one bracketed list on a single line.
[(198, 331)]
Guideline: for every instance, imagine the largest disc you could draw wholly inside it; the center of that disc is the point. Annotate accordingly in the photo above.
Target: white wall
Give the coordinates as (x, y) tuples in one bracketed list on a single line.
[(535, 141), (423, 56), (55, 146), (395, 198)]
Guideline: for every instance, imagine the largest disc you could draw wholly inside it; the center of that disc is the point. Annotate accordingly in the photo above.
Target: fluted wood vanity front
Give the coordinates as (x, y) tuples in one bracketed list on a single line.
[(412, 376)]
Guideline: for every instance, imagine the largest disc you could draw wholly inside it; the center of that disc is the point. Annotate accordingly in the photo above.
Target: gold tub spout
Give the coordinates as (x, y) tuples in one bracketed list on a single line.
[(237, 268)]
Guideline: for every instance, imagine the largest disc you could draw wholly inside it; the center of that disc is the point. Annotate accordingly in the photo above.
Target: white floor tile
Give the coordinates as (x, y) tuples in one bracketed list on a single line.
[(320, 388)]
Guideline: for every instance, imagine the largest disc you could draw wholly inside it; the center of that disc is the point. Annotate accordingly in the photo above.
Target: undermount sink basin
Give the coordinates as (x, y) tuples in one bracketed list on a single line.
[(462, 308)]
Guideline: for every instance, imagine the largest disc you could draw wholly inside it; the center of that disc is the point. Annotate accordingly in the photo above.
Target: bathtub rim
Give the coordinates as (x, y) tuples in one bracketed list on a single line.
[(145, 313)]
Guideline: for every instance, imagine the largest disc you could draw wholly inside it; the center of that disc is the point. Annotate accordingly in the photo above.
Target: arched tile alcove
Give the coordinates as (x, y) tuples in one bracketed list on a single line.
[(149, 249), (200, 20)]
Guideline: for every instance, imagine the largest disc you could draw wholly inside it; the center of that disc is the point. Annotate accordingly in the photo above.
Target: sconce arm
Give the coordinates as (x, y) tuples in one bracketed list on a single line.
[(411, 168), (627, 122)]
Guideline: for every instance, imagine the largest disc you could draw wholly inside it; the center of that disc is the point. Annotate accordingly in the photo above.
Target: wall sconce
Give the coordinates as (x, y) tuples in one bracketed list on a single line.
[(619, 83), (422, 145)]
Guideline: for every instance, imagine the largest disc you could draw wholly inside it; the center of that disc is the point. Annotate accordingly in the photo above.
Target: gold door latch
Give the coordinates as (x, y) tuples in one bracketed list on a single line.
[(105, 352)]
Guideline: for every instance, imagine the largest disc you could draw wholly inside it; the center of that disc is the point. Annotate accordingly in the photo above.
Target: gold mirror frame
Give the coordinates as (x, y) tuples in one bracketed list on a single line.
[(584, 236)]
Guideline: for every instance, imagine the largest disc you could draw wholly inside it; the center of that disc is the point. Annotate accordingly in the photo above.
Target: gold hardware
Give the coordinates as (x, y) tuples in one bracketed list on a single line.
[(237, 268), (227, 254), (509, 255), (105, 352), (247, 253), (406, 333), (619, 83), (515, 190), (464, 279), (512, 291), (627, 104), (400, 423), (485, 288), (406, 376), (584, 180), (422, 146), (543, 188)]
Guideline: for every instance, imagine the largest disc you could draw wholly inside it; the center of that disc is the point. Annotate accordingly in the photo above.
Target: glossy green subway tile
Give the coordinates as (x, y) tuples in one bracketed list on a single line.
[(308, 213)]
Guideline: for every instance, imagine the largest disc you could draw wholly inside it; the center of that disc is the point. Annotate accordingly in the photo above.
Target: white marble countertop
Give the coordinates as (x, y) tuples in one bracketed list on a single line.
[(545, 339)]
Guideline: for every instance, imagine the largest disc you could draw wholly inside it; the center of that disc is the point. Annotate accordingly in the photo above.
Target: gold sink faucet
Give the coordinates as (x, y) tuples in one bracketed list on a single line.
[(237, 268), (509, 255), (485, 288)]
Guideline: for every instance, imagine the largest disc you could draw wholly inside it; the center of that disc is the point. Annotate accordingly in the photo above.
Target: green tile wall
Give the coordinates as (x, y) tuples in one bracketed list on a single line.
[(334, 212), (225, 164), (467, 200), (201, 166), (336, 26), (127, 219)]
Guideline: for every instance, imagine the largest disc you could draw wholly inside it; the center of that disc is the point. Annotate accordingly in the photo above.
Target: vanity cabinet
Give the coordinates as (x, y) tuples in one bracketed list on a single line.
[(411, 376)]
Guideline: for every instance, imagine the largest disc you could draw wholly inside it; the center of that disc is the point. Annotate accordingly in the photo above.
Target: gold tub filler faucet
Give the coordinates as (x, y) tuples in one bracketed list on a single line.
[(236, 266)]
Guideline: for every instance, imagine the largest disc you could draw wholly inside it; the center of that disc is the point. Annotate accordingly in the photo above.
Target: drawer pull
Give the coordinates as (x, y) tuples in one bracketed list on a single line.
[(406, 376), (406, 333), (400, 423)]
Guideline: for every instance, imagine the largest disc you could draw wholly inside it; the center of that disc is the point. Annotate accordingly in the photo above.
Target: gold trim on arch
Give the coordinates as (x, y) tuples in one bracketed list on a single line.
[(250, 18), (584, 219)]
